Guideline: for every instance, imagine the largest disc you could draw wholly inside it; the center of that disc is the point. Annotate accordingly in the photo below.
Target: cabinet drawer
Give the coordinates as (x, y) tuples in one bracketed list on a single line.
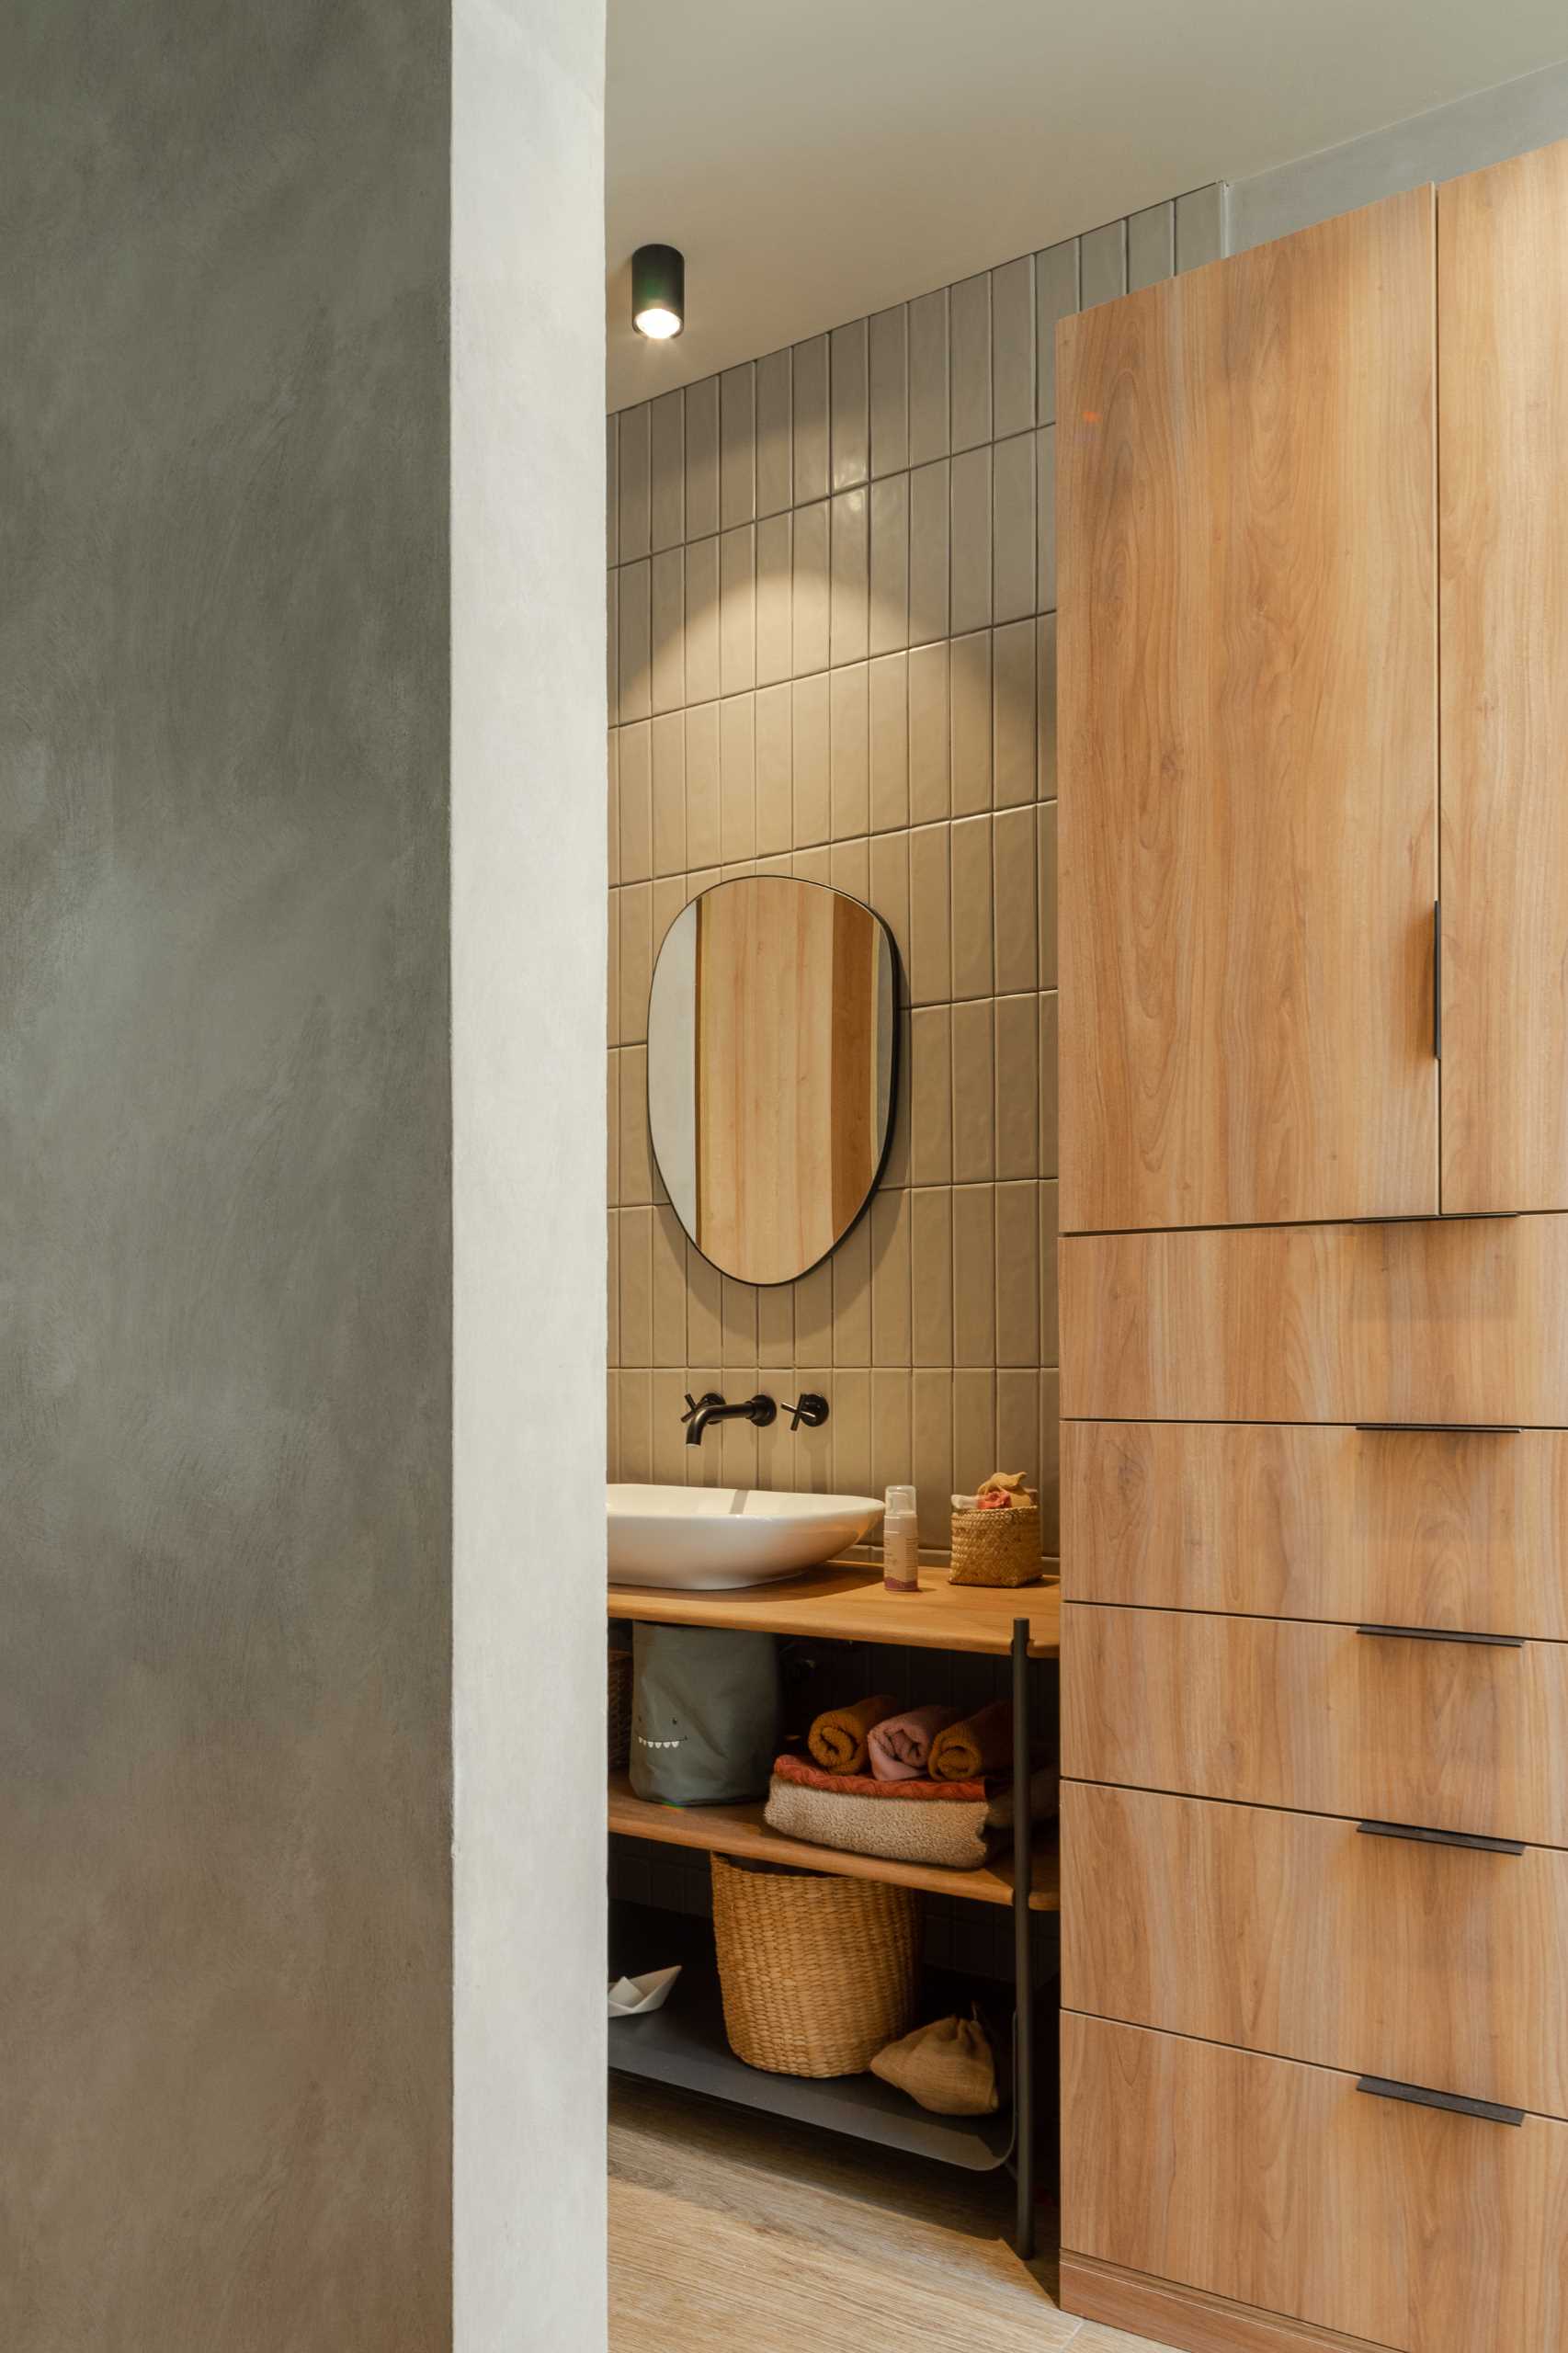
[(1317, 1520), (1301, 1936), (1437, 1320), (1284, 2187), (1448, 1734)]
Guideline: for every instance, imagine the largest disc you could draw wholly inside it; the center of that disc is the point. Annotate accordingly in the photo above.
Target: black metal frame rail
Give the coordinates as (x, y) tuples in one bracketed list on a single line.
[(1023, 1948)]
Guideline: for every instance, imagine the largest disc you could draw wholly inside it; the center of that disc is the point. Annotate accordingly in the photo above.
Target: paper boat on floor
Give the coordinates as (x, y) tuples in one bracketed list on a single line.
[(634, 1997)]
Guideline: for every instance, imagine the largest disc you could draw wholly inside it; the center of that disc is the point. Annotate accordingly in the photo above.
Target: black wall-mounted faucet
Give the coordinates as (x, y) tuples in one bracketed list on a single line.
[(700, 1411)]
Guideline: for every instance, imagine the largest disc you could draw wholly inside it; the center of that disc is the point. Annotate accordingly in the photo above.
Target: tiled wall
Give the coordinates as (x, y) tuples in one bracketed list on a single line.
[(832, 650)]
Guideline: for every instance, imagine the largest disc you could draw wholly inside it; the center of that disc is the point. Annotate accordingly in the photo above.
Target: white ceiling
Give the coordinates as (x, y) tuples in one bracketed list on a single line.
[(816, 159)]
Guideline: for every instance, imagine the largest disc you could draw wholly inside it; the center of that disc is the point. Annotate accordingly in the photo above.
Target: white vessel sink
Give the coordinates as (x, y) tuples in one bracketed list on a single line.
[(706, 1538)]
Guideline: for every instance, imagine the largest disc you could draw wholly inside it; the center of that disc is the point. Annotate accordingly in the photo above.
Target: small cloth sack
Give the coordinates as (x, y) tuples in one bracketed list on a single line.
[(704, 1714), (946, 2067)]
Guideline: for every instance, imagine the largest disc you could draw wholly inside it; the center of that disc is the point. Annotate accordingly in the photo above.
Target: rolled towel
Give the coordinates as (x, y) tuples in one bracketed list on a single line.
[(898, 1747), (982, 1744), (838, 1740)]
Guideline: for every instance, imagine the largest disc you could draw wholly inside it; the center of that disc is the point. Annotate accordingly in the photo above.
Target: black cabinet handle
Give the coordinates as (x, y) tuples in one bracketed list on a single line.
[(1441, 1634), (1490, 2111), (1438, 980), (1451, 1429), (1441, 1837)]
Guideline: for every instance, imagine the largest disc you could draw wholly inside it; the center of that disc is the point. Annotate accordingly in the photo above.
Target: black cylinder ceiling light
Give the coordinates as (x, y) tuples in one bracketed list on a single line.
[(658, 291)]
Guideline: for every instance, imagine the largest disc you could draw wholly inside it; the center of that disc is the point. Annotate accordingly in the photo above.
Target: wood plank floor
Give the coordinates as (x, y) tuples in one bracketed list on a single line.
[(731, 2233)]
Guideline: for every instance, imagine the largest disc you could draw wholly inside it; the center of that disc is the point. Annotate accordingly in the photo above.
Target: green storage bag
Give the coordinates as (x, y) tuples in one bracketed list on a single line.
[(705, 1709)]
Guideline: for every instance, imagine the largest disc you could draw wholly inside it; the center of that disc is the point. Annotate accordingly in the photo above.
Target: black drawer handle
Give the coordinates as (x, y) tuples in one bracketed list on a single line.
[(1441, 1837), (1490, 2111), (1451, 1429), (1442, 1634)]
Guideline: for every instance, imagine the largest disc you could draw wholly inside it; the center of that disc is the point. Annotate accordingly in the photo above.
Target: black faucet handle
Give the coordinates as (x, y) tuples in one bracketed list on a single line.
[(695, 1405), (810, 1408)]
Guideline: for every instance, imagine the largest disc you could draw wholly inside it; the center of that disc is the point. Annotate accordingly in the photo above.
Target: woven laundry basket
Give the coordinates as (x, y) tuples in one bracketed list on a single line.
[(818, 1972), (997, 1547), (620, 1711)]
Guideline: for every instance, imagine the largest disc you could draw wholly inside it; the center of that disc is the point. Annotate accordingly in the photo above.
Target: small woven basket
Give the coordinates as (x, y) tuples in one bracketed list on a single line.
[(997, 1547), (818, 1973), (620, 1711)]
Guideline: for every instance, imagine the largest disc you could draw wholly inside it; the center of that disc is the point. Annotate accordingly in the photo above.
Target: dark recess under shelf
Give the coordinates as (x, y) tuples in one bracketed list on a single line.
[(684, 2044)]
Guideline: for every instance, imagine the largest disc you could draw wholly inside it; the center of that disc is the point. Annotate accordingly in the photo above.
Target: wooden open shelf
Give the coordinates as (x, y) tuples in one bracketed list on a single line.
[(847, 1602), (684, 2043), (740, 1830)]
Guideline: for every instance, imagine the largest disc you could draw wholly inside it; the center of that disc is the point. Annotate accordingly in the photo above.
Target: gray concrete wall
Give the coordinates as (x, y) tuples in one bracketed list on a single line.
[(1482, 128), (224, 1255), (529, 921)]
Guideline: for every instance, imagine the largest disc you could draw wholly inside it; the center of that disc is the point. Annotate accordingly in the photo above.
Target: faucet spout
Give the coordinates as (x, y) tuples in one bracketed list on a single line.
[(711, 1407)]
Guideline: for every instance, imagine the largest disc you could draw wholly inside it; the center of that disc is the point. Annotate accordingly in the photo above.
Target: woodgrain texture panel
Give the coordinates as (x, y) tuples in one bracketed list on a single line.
[(1285, 2188), (1502, 262), (1184, 2317), (793, 996), (1435, 1965), (847, 1602), (1416, 1528), (1274, 1711), (735, 2233), (1426, 1322), (1247, 747)]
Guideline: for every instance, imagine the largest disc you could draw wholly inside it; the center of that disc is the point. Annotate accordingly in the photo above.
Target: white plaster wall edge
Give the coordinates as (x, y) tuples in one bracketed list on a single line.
[(529, 912)]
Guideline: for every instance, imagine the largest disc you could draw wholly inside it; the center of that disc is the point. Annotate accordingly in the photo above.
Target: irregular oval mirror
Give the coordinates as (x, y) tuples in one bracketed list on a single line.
[(770, 1070)]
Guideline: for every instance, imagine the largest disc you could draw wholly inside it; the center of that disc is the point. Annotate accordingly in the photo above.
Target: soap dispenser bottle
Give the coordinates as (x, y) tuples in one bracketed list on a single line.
[(901, 1543)]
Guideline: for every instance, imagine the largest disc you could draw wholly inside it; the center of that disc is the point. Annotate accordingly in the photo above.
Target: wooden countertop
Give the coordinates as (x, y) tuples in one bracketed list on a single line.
[(847, 1602)]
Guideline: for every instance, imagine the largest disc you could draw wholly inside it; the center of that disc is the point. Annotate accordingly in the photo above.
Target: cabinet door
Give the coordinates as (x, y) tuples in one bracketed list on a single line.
[(1503, 306), (1464, 1530), (1436, 1321), (1287, 2189), (1380, 1724), (1246, 540), (1404, 1956)]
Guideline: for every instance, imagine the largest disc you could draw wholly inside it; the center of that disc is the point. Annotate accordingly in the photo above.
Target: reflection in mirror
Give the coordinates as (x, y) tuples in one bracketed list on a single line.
[(771, 1034)]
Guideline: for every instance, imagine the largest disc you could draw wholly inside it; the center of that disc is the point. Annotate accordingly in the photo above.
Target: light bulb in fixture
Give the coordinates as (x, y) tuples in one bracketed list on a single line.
[(657, 323), (658, 291)]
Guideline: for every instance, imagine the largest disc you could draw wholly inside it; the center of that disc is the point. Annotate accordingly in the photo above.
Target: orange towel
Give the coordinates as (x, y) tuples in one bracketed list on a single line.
[(866, 1785), (980, 1744), (838, 1739)]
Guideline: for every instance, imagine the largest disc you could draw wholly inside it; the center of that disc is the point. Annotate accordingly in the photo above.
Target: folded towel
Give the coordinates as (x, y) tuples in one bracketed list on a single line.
[(900, 1747), (789, 1768), (980, 1744), (838, 1740), (1045, 1791), (953, 1836)]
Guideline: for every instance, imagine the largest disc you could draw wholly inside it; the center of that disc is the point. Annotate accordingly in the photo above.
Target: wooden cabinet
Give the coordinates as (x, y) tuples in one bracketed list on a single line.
[(1263, 511), (1502, 312), (1285, 2188), (1246, 551), (1461, 1320), (1455, 1734), (1432, 1963), (1313, 525), (1463, 1531)]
